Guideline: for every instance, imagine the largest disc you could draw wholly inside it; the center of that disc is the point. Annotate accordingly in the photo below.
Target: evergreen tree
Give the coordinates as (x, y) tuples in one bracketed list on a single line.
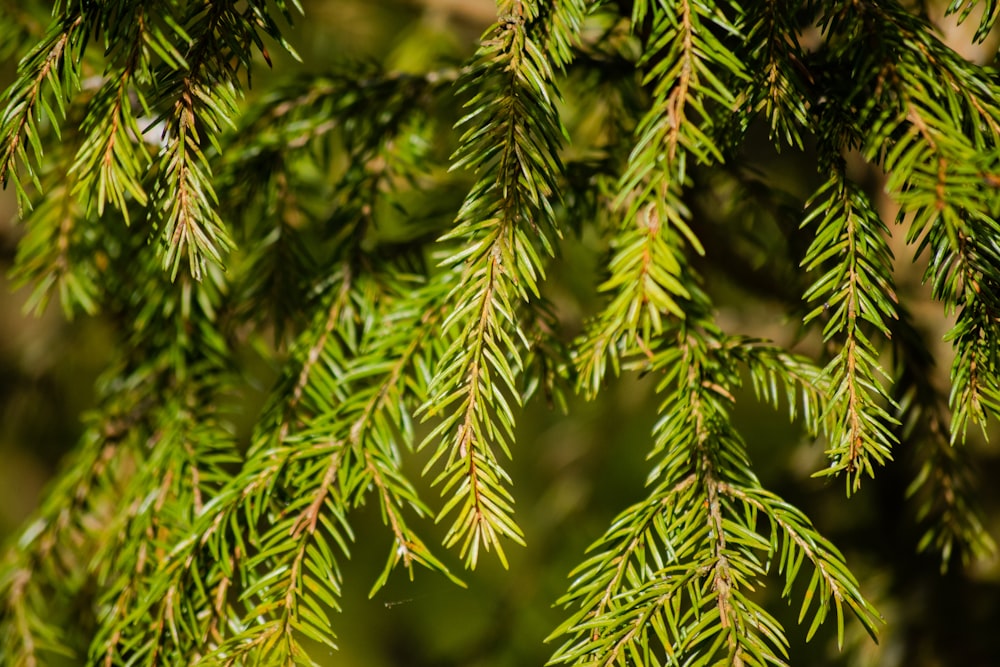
[(394, 241)]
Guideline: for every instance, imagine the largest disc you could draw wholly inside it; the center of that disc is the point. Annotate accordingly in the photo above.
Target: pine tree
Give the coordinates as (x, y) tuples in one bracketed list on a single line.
[(391, 242)]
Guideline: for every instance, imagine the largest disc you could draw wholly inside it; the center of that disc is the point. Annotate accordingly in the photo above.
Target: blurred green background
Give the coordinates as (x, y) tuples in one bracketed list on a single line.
[(572, 474)]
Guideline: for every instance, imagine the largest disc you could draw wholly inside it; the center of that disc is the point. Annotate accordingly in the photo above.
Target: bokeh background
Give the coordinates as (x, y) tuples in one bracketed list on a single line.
[(572, 473)]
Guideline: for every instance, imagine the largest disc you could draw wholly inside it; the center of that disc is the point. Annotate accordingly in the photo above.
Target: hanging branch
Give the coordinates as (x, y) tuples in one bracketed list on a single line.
[(777, 56), (50, 73), (187, 466), (137, 441), (113, 158), (943, 487), (670, 580), (45, 571), (688, 70), (511, 143), (933, 122), (57, 253), (202, 98), (185, 457), (855, 291)]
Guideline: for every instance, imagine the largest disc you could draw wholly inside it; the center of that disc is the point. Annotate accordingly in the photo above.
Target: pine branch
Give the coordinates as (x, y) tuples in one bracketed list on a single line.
[(687, 68), (943, 486), (670, 580), (178, 460), (47, 567), (857, 288), (199, 97), (512, 144), (935, 125), (57, 254), (50, 73), (779, 90), (113, 159)]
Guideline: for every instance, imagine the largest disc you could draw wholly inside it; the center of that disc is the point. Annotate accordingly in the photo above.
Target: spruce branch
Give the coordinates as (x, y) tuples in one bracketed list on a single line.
[(46, 568), (57, 255), (191, 452), (774, 49), (187, 595), (854, 292), (182, 550), (379, 425), (935, 127), (799, 542), (91, 499), (670, 581), (943, 489), (777, 374), (113, 159), (49, 73), (199, 97), (34, 574), (183, 197), (512, 144), (181, 460), (687, 69), (646, 275), (354, 409)]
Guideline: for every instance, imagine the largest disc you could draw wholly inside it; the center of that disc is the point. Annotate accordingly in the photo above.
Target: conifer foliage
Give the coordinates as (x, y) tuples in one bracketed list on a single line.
[(387, 238)]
